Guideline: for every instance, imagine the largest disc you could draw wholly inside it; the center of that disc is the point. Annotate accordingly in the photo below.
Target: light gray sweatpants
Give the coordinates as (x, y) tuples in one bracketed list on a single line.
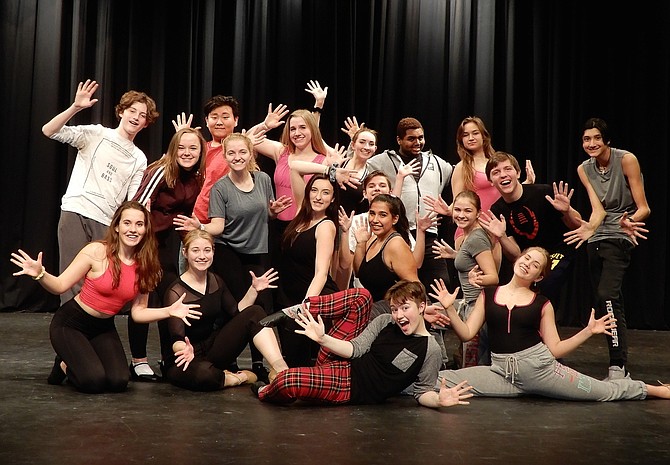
[(536, 371)]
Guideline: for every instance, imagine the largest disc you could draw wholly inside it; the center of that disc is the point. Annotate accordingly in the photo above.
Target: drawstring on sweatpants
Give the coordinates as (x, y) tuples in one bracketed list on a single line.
[(511, 367)]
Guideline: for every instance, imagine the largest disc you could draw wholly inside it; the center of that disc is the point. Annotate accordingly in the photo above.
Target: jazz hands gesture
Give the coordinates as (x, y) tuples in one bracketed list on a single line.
[(185, 355), (184, 311), (29, 267), (442, 294), (264, 281), (633, 229)]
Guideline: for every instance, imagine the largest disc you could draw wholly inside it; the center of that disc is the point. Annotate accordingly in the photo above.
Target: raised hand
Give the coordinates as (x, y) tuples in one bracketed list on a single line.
[(257, 135), (530, 173), (29, 267), (580, 235), (336, 155), (437, 205), (313, 329), (274, 117), (633, 229), (562, 196), (184, 223), (424, 223), (351, 126), (85, 90), (183, 122), (605, 324), (456, 395), (264, 281), (443, 250), (411, 168), (345, 177), (186, 355), (442, 294), (362, 230), (279, 205), (493, 225), (344, 219), (184, 311), (434, 314), (314, 88)]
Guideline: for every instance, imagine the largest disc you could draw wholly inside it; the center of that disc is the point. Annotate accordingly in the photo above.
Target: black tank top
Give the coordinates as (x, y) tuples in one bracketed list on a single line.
[(297, 268), (374, 274)]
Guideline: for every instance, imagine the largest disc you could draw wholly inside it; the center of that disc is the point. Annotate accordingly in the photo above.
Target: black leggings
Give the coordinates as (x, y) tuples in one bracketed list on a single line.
[(91, 349), (217, 352)]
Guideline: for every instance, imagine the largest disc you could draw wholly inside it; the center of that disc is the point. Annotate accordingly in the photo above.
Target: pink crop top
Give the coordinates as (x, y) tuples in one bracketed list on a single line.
[(98, 293)]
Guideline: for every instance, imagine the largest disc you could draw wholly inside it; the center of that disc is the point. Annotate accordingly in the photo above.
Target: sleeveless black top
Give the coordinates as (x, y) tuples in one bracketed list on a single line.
[(512, 330), (297, 269), (374, 274)]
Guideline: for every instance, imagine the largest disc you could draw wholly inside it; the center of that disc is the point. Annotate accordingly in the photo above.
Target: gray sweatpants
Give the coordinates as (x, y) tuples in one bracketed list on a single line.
[(536, 371), (74, 232)]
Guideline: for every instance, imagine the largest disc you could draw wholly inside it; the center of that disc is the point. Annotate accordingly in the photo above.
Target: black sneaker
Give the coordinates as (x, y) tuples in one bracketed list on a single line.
[(262, 373), (255, 387)]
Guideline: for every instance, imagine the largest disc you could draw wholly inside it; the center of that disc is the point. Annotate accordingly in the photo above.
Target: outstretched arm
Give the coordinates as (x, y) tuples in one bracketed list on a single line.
[(316, 331), (561, 202), (497, 227), (447, 397), (82, 99), (464, 330), (271, 148), (319, 94), (587, 229), (142, 314), (91, 256), (560, 348)]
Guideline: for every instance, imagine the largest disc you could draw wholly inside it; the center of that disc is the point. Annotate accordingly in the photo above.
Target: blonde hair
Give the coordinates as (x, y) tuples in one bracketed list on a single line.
[(317, 139), (252, 165)]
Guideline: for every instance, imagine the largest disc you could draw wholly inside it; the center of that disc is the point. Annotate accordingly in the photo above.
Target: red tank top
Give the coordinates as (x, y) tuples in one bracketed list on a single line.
[(98, 293)]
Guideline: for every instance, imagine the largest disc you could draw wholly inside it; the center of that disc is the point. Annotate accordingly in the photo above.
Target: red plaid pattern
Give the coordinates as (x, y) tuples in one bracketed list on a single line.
[(325, 383), (349, 310)]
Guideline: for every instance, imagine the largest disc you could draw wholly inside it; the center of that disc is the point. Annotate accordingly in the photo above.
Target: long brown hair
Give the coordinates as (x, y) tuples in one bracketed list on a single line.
[(304, 215), (169, 160), (317, 139), (465, 155), (148, 269)]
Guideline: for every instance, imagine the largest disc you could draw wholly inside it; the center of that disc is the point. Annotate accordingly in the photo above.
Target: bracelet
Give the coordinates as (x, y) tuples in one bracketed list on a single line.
[(202, 227), (41, 275), (332, 172), (317, 110)]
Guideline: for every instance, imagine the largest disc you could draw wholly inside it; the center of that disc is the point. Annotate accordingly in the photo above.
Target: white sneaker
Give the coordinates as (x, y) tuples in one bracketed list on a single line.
[(615, 372)]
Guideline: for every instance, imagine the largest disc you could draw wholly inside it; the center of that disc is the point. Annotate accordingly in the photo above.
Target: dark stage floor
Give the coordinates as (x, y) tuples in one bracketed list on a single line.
[(159, 424)]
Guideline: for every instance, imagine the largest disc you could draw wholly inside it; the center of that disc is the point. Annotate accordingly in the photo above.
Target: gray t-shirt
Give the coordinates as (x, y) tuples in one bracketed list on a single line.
[(246, 214), (466, 259)]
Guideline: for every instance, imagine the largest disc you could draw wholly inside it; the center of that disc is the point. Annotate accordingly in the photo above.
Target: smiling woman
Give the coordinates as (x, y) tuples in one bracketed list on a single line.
[(170, 186), (123, 268)]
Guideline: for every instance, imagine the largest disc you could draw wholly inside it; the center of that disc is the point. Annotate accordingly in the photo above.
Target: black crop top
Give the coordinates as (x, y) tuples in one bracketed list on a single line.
[(512, 330)]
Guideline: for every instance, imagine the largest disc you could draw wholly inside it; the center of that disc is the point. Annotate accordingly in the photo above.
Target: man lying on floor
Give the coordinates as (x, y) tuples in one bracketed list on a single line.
[(391, 353)]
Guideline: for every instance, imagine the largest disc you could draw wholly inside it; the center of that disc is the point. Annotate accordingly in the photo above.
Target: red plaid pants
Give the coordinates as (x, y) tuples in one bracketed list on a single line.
[(330, 379)]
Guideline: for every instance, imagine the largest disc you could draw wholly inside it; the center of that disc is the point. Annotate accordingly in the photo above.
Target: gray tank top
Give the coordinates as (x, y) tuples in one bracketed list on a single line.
[(614, 193)]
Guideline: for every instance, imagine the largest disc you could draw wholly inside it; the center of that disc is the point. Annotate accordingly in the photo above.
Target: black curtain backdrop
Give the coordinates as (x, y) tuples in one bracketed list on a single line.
[(533, 70)]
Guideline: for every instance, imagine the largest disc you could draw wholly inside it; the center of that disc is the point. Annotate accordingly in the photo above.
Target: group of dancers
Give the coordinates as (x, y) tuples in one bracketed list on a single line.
[(339, 251)]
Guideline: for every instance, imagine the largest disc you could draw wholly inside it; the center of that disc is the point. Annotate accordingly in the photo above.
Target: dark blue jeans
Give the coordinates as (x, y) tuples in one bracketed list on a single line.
[(608, 261)]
